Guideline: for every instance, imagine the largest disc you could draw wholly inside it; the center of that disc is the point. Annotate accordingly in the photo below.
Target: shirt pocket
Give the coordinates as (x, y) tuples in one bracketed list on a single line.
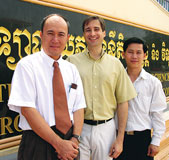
[(72, 98), (144, 102)]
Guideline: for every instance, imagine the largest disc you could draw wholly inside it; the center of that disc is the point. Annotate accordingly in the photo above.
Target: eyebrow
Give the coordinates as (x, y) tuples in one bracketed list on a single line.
[(90, 28), (61, 32), (50, 31), (87, 28), (130, 49)]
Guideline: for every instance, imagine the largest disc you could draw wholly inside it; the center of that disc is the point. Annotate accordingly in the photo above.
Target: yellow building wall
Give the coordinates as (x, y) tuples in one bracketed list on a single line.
[(147, 14)]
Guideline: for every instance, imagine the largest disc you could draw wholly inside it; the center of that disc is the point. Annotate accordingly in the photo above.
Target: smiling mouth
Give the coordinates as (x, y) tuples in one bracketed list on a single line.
[(92, 39)]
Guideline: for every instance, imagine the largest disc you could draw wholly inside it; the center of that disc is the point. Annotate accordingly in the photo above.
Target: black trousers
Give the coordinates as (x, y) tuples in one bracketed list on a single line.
[(135, 147), (33, 147)]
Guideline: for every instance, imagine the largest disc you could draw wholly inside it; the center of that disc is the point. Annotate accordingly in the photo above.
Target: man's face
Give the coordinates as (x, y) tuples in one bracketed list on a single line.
[(134, 56), (93, 34), (54, 36)]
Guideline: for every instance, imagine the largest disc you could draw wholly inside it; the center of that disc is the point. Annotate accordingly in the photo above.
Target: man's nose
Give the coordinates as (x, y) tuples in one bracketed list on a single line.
[(134, 55), (55, 38), (92, 32)]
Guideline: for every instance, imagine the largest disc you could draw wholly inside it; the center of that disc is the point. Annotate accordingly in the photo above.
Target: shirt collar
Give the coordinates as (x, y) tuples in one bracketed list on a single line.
[(49, 60), (88, 54), (143, 74)]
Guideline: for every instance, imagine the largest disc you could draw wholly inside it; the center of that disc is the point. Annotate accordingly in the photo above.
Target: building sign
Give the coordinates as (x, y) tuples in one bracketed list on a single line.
[(20, 36)]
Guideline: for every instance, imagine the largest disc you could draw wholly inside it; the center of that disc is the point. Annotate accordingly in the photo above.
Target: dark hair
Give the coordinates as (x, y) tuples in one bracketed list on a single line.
[(91, 18), (50, 15), (134, 40)]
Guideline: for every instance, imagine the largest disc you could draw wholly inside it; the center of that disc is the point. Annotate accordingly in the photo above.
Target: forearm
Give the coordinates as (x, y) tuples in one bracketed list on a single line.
[(122, 114), (117, 146), (40, 126), (78, 121)]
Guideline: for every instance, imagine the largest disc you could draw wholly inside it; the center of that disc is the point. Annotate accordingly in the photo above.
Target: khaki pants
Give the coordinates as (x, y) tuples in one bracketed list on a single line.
[(97, 140)]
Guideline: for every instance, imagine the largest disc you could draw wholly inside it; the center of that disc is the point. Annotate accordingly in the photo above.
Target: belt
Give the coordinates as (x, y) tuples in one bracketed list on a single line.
[(91, 122), (137, 132)]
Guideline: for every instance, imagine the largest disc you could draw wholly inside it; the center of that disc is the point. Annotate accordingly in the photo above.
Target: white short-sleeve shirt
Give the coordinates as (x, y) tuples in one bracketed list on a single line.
[(32, 87)]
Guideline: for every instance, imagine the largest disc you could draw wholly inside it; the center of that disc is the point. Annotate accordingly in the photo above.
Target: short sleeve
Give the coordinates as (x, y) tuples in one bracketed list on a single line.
[(124, 89), (23, 91)]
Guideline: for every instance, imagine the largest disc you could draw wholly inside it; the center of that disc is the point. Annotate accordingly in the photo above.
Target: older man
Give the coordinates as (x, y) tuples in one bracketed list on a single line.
[(32, 96)]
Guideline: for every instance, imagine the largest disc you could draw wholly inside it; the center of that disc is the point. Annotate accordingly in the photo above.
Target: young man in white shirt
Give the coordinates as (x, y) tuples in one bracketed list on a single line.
[(145, 110)]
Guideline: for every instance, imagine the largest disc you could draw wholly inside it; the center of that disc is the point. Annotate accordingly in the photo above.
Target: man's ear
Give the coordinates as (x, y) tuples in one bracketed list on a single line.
[(123, 54), (41, 34), (68, 36), (145, 56), (104, 34)]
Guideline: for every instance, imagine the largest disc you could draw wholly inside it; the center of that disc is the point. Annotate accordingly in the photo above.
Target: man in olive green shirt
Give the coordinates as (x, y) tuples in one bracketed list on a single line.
[(107, 88)]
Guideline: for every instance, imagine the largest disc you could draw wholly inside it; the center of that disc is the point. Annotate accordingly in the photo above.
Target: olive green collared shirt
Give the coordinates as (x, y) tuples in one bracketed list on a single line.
[(105, 83)]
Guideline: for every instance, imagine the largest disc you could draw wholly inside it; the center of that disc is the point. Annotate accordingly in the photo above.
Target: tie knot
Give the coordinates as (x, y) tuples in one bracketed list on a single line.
[(56, 64)]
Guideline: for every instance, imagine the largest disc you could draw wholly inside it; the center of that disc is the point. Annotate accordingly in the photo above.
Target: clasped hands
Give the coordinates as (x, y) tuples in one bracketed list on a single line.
[(68, 149)]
